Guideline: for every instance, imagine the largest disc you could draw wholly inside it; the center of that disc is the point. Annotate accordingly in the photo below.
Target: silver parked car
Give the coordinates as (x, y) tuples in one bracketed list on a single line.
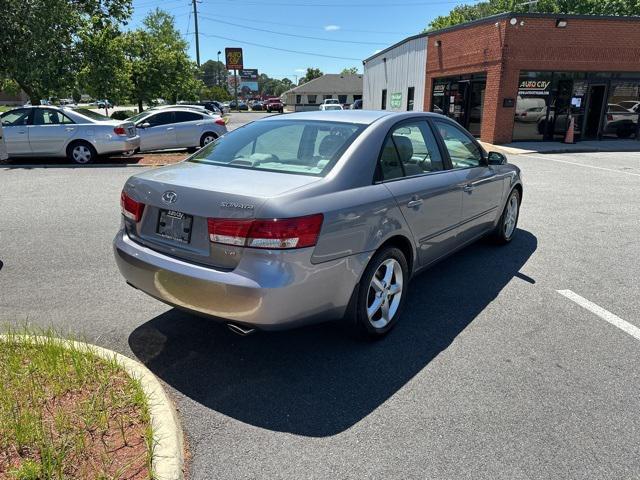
[(313, 216), (77, 133), (177, 127)]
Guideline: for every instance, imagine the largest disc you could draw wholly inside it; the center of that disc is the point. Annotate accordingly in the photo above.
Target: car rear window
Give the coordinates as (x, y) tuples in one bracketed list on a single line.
[(290, 146), (93, 115)]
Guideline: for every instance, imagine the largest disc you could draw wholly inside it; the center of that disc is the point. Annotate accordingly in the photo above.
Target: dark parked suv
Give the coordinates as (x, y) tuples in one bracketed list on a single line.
[(274, 105)]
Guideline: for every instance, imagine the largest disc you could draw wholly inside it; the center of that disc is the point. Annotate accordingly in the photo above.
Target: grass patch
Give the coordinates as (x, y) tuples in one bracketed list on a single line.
[(67, 414)]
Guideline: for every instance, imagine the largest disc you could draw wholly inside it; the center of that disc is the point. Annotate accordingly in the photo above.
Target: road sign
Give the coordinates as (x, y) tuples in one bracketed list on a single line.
[(233, 57)]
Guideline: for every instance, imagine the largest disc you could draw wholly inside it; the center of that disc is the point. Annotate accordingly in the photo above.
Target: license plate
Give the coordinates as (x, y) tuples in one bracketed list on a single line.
[(175, 226)]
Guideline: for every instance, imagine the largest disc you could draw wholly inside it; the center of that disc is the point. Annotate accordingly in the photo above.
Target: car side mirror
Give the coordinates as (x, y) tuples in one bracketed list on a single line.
[(496, 158), (144, 125)]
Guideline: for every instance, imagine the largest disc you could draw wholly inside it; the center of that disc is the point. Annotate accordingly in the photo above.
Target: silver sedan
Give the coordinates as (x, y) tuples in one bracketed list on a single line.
[(313, 216), (177, 127), (77, 133)]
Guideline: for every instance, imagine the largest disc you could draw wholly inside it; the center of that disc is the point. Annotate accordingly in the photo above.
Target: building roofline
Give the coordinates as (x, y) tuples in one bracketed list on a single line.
[(500, 16), (361, 75)]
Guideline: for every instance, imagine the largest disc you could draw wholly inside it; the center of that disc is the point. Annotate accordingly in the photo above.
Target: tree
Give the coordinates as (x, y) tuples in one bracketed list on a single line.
[(220, 94), (214, 73), (467, 13), (310, 75), (105, 71), (349, 71), (40, 40), (159, 63)]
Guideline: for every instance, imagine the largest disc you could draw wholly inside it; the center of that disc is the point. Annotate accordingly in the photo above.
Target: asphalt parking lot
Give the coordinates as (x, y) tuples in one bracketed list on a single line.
[(492, 373)]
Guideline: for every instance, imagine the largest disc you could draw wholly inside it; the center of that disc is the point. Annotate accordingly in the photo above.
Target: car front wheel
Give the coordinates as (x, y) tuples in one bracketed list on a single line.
[(381, 293), (506, 228), (207, 138)]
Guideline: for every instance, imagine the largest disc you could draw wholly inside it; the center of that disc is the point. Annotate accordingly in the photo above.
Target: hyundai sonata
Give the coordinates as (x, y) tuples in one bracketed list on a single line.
[(313, 216)]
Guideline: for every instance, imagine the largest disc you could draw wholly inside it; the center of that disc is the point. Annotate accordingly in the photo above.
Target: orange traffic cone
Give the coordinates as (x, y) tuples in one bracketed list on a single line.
[(568, 138)]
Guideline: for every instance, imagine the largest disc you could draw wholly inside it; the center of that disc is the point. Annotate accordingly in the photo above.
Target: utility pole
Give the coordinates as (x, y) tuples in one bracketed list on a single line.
[(195, 19)]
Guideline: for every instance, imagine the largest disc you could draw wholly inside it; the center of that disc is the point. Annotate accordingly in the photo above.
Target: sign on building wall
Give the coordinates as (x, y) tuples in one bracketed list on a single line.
[(396, 100)]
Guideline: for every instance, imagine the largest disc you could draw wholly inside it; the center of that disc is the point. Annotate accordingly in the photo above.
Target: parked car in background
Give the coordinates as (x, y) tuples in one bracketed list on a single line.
[(331, 106), (79, 134), (312, 217), (238, 106), (176, 127), (103, 104), (631, 105), (532, 114), (330, 101), (274, 105), (257, 106), (356, 105), (618, 121), (3, 148)]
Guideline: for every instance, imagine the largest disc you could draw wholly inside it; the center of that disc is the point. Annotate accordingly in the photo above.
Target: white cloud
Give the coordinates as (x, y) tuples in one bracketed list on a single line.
[(301, 70), (331, 28)]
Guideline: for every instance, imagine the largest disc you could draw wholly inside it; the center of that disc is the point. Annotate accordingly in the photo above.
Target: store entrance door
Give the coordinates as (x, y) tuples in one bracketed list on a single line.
[(595, 105)]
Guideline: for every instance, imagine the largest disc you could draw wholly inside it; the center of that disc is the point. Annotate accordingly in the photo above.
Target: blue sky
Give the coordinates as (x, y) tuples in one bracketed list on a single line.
[(349, 29)]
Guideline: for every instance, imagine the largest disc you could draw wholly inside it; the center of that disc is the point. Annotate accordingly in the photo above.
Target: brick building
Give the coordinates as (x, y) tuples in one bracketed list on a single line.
[(525, 76)]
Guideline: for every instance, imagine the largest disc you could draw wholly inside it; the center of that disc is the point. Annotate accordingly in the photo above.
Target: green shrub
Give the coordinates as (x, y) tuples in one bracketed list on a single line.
[(123, 114)]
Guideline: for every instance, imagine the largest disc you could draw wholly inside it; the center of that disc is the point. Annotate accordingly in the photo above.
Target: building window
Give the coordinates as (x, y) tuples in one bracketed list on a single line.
[(298, 99), (311, 98), (327, 97), (384, 99), (410, 95), (342, 99), (357, 97)]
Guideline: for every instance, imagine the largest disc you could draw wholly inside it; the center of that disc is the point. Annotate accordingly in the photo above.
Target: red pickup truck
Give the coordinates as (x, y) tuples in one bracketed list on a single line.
[(273, 105)]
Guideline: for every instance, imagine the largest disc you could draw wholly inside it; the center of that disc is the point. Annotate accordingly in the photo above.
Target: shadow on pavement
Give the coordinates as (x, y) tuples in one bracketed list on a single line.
[(143, 159), (317, 381)]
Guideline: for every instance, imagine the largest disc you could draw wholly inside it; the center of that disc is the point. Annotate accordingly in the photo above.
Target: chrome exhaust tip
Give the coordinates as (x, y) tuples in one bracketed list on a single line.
[(237, 329)]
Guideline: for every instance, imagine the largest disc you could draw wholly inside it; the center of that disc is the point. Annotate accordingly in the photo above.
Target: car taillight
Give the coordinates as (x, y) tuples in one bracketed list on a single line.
[(119, 131), (275, 233), (220, 122), (130, 208)]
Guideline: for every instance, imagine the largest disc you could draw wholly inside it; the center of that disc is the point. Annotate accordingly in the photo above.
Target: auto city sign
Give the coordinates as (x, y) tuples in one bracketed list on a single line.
[(534, 87)]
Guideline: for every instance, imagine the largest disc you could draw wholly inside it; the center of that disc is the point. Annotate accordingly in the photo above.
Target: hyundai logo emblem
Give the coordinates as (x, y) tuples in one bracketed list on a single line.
[(169, 197)]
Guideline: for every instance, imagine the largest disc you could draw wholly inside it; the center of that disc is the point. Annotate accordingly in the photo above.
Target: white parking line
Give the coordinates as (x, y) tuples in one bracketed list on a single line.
[(544, 157), (602, 313)]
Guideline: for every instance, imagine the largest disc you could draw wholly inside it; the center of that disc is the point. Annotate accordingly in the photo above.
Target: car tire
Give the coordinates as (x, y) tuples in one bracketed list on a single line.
[(367, 316), (507, 225), (81, 152), (207, 138)]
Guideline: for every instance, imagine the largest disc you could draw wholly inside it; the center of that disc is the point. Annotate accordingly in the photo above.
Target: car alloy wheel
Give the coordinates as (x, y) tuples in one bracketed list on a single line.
[(81, 154), (511, 216), (385, 293)]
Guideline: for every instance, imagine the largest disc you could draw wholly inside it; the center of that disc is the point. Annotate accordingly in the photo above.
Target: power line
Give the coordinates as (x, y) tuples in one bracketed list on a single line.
[(276, 48), (293, 25), (344, 5), (291, 34)]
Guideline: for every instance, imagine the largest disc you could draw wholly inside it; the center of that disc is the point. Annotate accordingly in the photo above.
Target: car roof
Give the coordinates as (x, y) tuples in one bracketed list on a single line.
[(365, 117)]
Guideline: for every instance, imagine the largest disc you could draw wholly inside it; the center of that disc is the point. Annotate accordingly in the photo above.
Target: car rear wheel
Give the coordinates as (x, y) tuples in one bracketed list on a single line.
[(506, 228), (381, 293), (207, 138), (81, 153)]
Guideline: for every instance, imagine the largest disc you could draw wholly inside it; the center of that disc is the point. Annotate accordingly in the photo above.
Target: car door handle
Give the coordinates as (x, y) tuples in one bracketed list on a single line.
[(468, 188), (70, 129), (414, 203), (169, 128)]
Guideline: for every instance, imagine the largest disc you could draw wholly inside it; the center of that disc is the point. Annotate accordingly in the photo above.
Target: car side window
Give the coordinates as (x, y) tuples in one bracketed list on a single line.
[(162, 118), (410, 150), (187, 117), (463, 151), (16, 117), (44, 116)]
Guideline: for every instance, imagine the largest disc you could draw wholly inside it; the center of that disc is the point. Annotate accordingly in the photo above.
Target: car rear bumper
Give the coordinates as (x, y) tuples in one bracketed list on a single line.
[(117, 144), (269, 290)]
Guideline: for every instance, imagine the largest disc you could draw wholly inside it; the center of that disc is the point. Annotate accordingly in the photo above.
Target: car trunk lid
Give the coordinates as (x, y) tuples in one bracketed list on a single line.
[(180, 199)]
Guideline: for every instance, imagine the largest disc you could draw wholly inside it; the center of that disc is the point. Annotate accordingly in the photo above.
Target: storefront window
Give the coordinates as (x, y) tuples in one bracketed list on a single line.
[(531, 106), (622, 110), (460, 98)]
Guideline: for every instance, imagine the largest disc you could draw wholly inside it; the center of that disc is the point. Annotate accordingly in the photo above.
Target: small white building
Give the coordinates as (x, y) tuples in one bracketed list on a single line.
[(310, 95), (394, 78)]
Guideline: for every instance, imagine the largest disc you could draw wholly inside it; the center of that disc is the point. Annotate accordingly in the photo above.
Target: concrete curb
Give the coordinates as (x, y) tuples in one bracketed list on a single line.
[(103, 165), (168, 451)]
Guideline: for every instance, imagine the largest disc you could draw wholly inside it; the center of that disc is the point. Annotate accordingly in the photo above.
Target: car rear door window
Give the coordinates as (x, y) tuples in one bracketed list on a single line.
[(45, 116), (162, 118), (410, 149), (463, 151), (187, 117)]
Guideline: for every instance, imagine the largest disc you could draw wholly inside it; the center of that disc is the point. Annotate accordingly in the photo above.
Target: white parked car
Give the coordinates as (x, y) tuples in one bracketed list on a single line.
[(327, 107), (79, 134), (177, 127)]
